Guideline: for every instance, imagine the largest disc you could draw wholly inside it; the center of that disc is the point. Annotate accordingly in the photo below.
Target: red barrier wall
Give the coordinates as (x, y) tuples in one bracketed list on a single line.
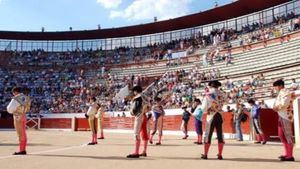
[(172, 123), (6, 123), (56, 123), (269, 120)]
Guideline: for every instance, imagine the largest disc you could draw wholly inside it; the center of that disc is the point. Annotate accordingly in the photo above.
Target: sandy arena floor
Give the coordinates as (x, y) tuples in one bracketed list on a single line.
[(64, 150)]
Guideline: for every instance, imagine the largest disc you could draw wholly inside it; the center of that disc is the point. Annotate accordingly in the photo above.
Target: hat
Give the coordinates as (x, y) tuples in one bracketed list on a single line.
[(251, 101), (158, 99), (197, 100), (215, 84), (93, 99), (279, 82), (137, 89), (17, 89)]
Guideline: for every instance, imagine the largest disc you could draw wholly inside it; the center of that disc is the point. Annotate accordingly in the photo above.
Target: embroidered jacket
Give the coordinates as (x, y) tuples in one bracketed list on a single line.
[(19, 105), (93, 107), (284, 104), (136, 105), (213, 103)]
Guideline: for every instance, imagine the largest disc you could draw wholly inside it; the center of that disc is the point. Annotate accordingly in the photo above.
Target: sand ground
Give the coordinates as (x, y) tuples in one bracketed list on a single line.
[(64, 150)]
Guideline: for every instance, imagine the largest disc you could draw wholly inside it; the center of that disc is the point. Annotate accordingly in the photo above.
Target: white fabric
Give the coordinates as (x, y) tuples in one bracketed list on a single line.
[(12, 106), (92, 110), (206, 103), (100, 113), (124, 92), (294, 85)]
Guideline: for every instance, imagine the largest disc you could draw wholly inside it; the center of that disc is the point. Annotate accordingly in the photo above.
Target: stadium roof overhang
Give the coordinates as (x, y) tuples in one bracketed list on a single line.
[(235, 9)]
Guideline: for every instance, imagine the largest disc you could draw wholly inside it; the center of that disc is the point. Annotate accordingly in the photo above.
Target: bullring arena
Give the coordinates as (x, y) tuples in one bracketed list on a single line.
[(58, 149), (86, 99)]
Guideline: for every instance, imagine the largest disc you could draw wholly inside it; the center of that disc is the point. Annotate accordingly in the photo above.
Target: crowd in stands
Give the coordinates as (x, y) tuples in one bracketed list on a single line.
[(78, 57), (156, 51), (214, 56), (67, 90), (59, 88), (182, 84), (243, 90)]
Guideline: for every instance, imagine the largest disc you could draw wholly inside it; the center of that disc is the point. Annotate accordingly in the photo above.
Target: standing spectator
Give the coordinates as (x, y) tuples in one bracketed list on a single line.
[(263, 105), (255, 111), (102, 70), (229, 110), (185, 121), (294, 85), (158, 113), (238, 117), (204, 60), (253, 81), (197, 112), (228, 83), (296, 23), (228, 59)]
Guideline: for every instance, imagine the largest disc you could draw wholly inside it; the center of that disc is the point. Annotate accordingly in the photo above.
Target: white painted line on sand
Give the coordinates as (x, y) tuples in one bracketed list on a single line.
[(42, 152)]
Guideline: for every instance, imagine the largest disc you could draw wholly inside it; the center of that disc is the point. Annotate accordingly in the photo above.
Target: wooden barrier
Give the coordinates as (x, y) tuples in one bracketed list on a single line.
[(269, 120)]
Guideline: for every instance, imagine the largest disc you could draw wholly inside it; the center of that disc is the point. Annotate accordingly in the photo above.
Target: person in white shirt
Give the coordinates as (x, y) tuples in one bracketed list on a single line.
[(19, 106), (204, 60), (294, 85)]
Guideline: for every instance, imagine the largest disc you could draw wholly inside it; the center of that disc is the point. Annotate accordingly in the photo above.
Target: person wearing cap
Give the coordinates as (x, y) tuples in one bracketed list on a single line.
[(283, 105), (99, 116), (212, 105), (90, 115), (158, 113), (20, 105), (197, 112), (185, 121), (255, 112), (139, 110)]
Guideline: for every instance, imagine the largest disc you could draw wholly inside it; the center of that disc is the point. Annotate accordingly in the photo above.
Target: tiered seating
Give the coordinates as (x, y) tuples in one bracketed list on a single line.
[(276, 60), (264, 60), (246, 62)]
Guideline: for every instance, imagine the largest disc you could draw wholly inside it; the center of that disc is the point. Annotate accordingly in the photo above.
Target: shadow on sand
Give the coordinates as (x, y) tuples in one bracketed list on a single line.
[(90, 157)]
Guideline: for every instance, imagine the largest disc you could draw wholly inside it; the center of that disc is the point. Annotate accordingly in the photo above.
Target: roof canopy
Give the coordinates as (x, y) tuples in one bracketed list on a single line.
[(232, 10)]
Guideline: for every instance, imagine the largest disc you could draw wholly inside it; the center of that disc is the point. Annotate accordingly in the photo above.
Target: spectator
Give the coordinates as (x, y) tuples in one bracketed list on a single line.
[(185, 120), (263, 105), (255, 112), (240, 108), (294, 85)]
